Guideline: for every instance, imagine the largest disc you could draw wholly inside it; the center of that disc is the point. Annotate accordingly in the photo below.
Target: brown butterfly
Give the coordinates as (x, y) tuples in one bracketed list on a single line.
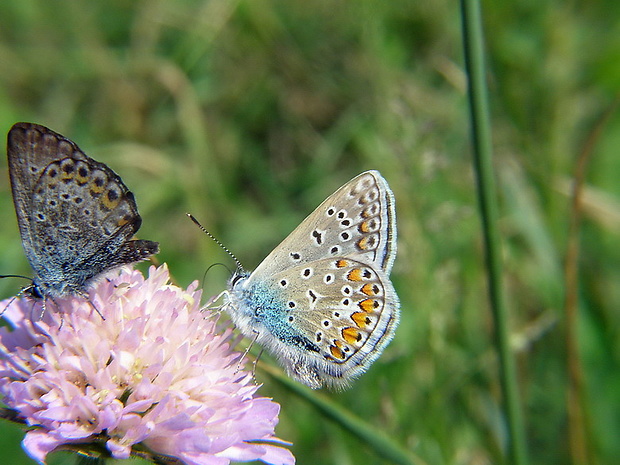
[(76, 216)]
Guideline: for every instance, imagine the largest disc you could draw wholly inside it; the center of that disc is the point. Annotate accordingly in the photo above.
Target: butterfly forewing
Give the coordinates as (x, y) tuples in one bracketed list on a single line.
[(29, 152), (353, 221)]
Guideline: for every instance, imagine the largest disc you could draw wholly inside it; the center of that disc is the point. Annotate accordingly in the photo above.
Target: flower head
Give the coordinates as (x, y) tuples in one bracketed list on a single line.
[(151, 373)]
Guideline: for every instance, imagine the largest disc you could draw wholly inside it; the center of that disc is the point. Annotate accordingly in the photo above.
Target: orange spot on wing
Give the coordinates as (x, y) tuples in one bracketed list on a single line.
[(336, 352), (351, 335), (370, 289), (67, 174), (95, 189), (110, 204), (368, 305), (361, 319), (364, 228), (81, 174), (341, 263), (355, 274)]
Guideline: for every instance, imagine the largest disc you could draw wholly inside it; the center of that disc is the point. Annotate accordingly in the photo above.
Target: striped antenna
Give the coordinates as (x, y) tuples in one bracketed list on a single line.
[(222, 246)]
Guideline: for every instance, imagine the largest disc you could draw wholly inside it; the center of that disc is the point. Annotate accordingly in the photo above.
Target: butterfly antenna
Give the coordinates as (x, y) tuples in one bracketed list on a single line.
[(204, 276), (20, 293), (15, 276), (222, 246)]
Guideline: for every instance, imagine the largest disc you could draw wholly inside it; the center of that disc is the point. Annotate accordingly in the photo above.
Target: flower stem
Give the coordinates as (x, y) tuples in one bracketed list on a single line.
[(87, 460), (383, 445), (477, 91)]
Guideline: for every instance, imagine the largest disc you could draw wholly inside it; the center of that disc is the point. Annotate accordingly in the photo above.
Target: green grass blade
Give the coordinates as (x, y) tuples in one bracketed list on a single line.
[(368, 434), (477, 91)]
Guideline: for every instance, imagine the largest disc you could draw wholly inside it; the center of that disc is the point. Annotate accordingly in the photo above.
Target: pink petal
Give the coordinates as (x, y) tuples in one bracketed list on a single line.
[(38, 444)]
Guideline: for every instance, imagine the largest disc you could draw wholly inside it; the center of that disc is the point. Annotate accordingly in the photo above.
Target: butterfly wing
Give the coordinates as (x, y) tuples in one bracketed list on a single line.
[(76, 217), (343, 310), (358, 220)]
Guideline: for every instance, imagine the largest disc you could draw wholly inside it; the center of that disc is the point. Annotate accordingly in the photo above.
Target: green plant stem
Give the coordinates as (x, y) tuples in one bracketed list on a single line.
[(477, 91), (370, 435), (86, 460)]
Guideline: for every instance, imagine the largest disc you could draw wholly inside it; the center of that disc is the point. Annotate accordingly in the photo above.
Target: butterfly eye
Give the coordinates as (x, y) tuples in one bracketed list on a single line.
[(35, 292)]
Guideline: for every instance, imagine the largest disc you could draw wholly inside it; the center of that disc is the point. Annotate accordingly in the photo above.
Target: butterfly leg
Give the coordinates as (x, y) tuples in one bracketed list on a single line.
[(245, 354), (86, 297), (9, 304)]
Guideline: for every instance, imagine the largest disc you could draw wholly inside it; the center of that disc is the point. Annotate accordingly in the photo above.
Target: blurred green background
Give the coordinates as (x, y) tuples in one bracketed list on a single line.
[(249, 113)]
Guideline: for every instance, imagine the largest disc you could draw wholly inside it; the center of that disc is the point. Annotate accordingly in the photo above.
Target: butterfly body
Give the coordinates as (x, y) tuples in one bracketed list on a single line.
[(76, 217), (322, 301)]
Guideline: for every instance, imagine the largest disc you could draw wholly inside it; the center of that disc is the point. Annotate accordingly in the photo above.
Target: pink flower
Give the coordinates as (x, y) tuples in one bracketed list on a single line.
[(153, 373)]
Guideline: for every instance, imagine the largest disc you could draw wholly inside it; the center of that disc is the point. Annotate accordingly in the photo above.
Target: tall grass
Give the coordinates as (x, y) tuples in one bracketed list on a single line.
[(249, 113), (475, 65)]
